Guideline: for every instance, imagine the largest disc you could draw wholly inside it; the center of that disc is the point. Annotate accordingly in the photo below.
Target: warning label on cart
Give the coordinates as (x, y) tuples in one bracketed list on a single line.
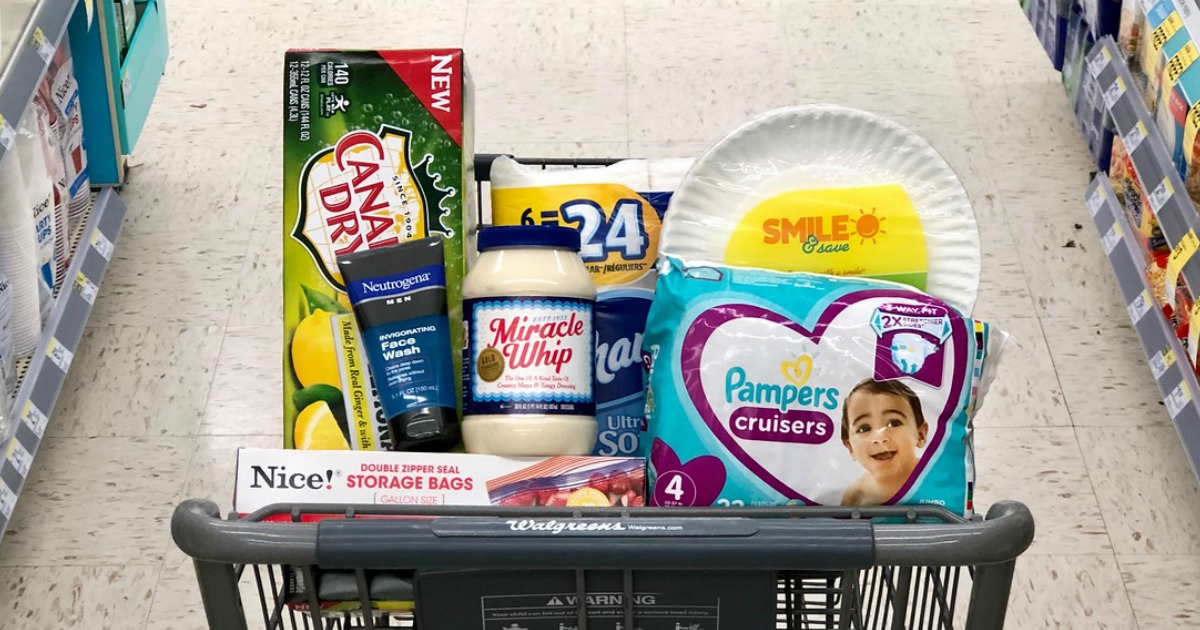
[(605, 611)]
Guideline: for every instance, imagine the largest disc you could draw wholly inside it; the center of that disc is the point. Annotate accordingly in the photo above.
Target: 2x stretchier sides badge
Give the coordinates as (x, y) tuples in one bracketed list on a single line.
[(364, 192)]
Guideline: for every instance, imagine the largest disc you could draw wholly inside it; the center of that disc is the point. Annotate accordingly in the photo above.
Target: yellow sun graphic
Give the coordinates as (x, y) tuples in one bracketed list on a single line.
[(868, 226)]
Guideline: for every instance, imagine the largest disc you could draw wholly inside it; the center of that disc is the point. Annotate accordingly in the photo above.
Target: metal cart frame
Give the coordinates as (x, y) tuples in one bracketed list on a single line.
[(889, 567), (882, 567)]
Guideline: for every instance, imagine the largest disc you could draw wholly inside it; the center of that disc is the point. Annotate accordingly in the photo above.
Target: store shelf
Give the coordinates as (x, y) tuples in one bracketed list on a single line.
[(43, 380), (30, 56), (1176, 217)]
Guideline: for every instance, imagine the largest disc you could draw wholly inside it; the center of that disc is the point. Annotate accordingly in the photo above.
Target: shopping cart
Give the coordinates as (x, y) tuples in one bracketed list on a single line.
[(607, 568)]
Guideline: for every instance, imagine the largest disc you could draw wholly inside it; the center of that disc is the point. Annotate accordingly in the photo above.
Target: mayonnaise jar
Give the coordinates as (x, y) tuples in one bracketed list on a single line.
[(528, 365)]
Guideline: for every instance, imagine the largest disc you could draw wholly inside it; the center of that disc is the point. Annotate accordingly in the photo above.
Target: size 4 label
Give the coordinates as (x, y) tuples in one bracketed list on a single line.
[(20, 458), (1096, 200), (87, 289), (1111, 238), (1114, 92), (102, 245), (1161, 362), (36, 420), (1161, 195), (1139, 306), (59, 354), (1178, 399)]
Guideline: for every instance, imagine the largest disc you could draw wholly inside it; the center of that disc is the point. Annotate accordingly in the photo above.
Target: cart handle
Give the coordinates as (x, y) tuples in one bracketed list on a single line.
[(477, 541)]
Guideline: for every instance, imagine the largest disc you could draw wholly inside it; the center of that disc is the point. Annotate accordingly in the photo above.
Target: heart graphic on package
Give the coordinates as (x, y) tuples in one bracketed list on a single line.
[(772, 391)]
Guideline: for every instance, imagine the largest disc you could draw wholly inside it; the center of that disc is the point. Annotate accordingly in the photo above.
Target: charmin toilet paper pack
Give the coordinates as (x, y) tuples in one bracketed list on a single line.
[(770, 388)]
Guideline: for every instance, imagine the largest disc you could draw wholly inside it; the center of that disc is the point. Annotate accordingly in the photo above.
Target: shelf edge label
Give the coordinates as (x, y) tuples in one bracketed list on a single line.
[(1134, 138), (8, 135), (102, 245), (1161, 195), (1096, 200), (35, 419), (8, 500), (1099, 63), (1111, 238), (87, 289), (1114, 92), (1178, 399), (59, 354), (1139, 306), (45, 49), (1161, 362), (20, 458)]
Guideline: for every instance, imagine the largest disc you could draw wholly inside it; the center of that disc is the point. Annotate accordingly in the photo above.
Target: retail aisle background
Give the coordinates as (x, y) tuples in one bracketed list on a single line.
[(181, 364)]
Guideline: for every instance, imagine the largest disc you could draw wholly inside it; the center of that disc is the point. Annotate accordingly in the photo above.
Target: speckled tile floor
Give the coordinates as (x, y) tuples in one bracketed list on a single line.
[(180, 365)]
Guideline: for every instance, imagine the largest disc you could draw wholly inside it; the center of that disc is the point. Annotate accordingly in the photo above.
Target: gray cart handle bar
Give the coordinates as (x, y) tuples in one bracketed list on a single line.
[(811, 538)]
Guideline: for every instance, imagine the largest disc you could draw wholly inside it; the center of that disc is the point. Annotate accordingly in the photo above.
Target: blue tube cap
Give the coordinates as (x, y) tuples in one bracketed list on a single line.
[(501, 236)]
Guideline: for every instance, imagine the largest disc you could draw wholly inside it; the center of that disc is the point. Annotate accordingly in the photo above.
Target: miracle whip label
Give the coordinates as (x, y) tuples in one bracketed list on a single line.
[(528, 356)]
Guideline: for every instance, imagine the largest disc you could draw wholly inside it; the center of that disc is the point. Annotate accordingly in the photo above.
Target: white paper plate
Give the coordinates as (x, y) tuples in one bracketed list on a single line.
[(826, 146)]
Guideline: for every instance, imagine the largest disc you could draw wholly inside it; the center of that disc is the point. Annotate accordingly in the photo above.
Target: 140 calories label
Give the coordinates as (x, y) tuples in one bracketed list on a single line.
[(528, 356)]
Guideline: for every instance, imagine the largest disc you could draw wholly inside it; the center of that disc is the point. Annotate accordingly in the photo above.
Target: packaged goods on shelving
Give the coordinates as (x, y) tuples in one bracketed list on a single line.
[(377, 151), (1129, 32), (19, 256), (619, 208), (768, 388), (60, 90), (268, 476), (40, 191), (8, 367)]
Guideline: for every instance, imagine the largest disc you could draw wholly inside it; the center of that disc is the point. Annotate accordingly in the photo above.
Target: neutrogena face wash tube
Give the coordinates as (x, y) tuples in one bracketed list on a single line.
[(399, 299)]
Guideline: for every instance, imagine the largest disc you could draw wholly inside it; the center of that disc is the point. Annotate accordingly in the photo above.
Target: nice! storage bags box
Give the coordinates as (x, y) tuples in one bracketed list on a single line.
[(378, 149), (267, 476)]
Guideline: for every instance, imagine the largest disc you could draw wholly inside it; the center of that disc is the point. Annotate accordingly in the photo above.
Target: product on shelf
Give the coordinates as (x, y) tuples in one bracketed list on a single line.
[(399, 299), (1163, 37), (619, 209), (528, 368), (377, 151), (769, 388), (40, 191), (269, 476), (52, 158), (19, 256), (66, 118), (827, 189), (1129, 32)]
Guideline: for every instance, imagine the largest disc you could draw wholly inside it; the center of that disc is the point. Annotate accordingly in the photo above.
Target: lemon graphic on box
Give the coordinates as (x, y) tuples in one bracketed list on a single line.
[(314, 351), (317, 429)]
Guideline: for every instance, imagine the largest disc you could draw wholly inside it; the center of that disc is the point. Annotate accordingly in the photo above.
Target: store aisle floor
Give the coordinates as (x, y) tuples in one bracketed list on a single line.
[(181, 364)]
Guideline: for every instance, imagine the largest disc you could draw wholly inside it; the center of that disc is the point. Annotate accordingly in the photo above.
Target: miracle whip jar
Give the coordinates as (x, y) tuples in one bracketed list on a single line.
[(528, 366)]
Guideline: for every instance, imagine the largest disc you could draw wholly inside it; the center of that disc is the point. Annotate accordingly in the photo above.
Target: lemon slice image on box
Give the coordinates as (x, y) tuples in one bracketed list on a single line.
[(829, 189)]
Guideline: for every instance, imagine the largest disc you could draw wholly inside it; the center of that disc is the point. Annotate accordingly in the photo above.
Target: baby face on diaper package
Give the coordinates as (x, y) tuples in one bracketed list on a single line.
[(770, 388)]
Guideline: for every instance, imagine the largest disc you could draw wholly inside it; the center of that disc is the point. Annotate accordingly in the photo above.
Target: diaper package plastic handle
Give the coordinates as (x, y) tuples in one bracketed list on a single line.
[(770, 388)]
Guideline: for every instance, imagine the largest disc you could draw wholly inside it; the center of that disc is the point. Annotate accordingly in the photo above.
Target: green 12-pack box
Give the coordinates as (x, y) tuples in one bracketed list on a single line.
[(377, 150)]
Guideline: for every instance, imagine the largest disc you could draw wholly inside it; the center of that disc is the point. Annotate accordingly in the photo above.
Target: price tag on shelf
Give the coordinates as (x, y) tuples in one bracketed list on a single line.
[(87, 289), (1193, 334), (1178, 399), (1166, 30), (8, 500), (1161, 362), (21, 459), (1114, 92), (1180, 255), (1099, 63), (59, 354), (8, 135), (1095, 200), (1134, 138), (1180, 62), (36, 420), (1111, 238), (45, 48), (1161, 195), (1139, 307), (102, 245)]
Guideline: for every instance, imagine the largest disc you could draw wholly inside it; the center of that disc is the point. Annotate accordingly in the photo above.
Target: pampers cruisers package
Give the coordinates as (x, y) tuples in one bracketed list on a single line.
[(377, 151), (618, 210), (773, 388)]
